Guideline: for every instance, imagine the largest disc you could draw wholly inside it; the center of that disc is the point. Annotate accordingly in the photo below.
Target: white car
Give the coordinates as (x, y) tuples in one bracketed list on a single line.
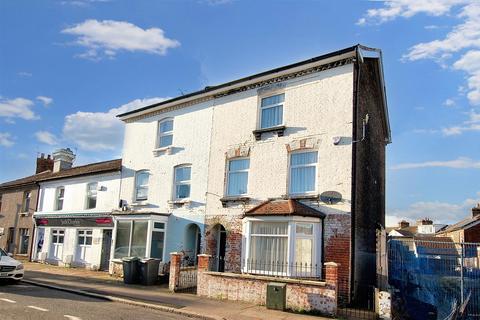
[(9, 267)]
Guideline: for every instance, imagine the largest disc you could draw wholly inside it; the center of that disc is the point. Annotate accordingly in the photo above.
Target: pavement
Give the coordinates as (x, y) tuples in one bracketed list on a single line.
[(29, 302), (101, 285)]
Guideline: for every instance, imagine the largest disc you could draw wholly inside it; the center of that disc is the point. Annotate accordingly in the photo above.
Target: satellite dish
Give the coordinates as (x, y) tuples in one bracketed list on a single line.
[(331, 197)]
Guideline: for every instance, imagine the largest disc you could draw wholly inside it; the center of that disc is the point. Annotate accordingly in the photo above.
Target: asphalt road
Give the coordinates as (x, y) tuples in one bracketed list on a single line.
[(24, 302)]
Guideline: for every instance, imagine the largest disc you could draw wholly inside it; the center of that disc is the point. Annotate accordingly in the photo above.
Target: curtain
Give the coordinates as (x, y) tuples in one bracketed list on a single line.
[(303, 172), (238, 177), (272, 111), (268, 246)]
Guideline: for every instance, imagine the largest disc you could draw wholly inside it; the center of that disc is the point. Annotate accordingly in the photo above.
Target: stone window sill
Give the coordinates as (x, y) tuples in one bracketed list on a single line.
[(225, 200), (163, 150), (303, 196), (140, 203), (280, 130)]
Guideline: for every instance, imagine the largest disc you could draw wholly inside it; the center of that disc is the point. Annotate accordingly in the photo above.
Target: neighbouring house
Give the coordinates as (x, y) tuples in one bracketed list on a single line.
[(73, 220), (281, 168), (18, 201), (467, 230), (424, 227)]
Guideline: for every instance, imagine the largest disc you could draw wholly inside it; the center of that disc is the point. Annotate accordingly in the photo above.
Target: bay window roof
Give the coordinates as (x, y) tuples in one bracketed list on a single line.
[(290, 207)]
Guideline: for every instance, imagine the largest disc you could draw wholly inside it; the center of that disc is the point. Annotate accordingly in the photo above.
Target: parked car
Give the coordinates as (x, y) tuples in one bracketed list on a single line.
[(10, 268)]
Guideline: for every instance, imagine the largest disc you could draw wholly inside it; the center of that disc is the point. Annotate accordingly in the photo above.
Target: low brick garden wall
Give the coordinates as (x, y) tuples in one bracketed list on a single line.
[(301, 295)]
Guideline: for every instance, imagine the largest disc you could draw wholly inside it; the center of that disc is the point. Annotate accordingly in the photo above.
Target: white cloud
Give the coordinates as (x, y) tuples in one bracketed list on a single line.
[(81, 3), (439, 212), (459, 163), (45, 100), (24, 74), (472, 124), (100, 131), (6, 139), (46, 137), (470, 63), (17, 108), (107, 37), (216, 2), (393, 9), (449, 102)]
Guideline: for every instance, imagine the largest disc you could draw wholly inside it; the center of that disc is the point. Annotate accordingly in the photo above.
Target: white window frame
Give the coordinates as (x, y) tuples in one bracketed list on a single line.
[(89, 195), (137, 173), (27, 196), (181, 182), (292, 236), (150, 229), (261, 108), (163, 134), (82, 233), (290, 167), (58, 198), (58, 233), (235, 171)]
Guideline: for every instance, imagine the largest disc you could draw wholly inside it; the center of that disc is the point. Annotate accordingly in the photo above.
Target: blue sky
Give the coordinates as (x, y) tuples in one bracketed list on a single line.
[(68, 67)]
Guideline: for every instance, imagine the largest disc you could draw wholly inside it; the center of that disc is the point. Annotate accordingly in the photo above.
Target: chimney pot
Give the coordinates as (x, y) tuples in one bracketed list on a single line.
[(476, 211), (43, 164), (403, 224)]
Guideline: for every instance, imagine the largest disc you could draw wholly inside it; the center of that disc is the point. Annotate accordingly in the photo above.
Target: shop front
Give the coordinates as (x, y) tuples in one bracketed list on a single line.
[(74, 240)]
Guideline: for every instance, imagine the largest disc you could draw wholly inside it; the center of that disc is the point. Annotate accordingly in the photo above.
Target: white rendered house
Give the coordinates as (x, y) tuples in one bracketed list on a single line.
[(73, 221)]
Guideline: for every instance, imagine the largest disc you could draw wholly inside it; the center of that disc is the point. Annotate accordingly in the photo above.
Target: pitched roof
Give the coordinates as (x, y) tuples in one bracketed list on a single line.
[(99, 167), (464, 224), (24, 181), (405, 233), (289, 207), (435, 246)]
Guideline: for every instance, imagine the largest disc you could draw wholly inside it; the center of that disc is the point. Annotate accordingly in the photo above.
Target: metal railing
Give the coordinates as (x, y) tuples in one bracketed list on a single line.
[(434, 277)]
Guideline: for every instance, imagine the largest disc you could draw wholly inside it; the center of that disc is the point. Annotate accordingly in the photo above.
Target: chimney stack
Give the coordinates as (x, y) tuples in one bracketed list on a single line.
[(62, 159), (424, 222), (44, 164), (404, 224), (476, 211)]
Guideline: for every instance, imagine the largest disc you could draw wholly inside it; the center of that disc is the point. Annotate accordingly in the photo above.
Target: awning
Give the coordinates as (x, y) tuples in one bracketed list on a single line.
[(288, 207)]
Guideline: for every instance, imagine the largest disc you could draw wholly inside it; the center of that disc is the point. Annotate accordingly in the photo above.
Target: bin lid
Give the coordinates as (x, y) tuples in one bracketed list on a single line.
[(130, 258)]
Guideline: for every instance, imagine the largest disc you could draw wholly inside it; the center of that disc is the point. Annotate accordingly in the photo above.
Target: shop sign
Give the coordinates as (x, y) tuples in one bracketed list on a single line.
[(75, 222)]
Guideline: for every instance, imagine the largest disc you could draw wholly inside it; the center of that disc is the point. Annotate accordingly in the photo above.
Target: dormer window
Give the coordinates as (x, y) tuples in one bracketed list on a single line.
[(60, 194), (165, 133)]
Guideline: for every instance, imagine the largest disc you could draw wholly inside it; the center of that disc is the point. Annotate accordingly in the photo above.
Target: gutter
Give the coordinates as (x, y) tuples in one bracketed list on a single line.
[(225, 87)]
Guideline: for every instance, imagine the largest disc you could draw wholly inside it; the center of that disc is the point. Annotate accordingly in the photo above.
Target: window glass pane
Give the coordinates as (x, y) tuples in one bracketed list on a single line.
[(304, 228), (237, 183), (166, 141), (183, 191), (54, 239), (142, 179), (303, 158), (302, 179), (157, 244), (88, 241), (272, 117), (60, 239), (182, 173), (240, 164), (92, 188), (270, 228), (139, 239), (89, 231), (142, 193), (279, 98), (122, 239), (159, 225), (166, 126), (268, 253), (303, 251), (91, 202)]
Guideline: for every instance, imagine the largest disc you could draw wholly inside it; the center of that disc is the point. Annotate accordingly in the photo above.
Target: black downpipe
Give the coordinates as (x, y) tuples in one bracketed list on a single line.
[(356, 85)]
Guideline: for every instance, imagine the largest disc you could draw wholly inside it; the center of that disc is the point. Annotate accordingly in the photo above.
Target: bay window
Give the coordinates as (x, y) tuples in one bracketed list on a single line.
[(143, 238), (283, 247), (303, 172)]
